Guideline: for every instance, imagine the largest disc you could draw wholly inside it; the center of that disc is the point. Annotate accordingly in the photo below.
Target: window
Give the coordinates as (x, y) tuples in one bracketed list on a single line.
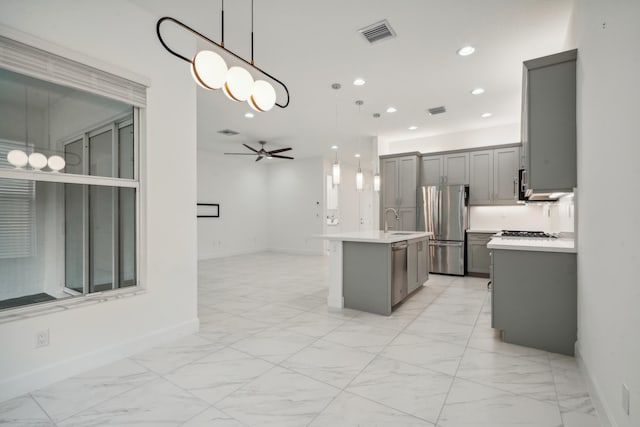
[(74, 231)]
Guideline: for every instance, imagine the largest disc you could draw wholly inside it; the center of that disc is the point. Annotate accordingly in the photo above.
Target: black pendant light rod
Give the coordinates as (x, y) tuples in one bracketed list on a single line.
[(219, 46)]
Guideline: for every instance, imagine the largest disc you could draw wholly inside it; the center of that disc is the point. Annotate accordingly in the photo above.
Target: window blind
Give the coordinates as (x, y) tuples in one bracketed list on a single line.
[(17, 212), (29, 60)]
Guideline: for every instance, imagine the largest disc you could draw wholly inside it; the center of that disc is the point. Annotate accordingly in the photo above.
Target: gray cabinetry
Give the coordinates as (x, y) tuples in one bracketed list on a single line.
[(399, 191), (478, 255), (417, 264), (445, 169), (494, 176), (549, 122), (432, 172), (481, 179), (456, 168), (534, 299)]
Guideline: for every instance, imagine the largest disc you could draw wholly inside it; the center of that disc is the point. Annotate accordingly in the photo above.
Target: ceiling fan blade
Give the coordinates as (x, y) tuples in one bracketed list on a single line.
[(281, 157), (250, 148), (241, 154), (279, 150), (259, 158)]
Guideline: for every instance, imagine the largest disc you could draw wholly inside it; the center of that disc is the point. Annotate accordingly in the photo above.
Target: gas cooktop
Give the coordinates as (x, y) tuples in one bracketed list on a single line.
[(526, 234)]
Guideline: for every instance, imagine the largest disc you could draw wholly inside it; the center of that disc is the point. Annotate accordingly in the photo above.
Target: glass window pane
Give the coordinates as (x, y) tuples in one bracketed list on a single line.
[(101, 154), (100, 238), (125, 151), (127, 237), (74, 157), (74, 236)]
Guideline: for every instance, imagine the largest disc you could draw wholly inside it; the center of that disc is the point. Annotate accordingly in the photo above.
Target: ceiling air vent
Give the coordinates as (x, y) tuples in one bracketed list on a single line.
[(228, 132), (437, 110), (381, 30)]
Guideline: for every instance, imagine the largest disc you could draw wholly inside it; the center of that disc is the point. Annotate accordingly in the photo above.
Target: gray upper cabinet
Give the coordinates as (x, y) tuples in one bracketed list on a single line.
[(506, 162), (481, 182), (445, 169), (549, 122), (456, 168), (494, 176), (398, 191), (432, 170)]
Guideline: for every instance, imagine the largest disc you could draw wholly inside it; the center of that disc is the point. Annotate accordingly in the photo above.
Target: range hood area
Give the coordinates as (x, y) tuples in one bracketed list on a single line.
[(548, 128)]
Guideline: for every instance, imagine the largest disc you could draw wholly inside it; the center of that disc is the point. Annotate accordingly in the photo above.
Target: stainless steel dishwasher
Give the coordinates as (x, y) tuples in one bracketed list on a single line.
[(398, 272)]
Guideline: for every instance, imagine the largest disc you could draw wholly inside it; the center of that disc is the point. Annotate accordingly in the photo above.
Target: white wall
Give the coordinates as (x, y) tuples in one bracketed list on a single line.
[(239, 185), (296, 210), (119, 34), (607, 203), (505, 134)]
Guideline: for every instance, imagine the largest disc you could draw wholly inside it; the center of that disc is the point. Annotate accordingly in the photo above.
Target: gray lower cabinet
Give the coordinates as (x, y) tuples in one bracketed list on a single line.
[(534, 300), (478, 255), (417, 264), (367, 274)]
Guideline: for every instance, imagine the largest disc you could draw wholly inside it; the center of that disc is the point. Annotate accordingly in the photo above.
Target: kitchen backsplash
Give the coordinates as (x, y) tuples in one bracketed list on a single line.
[(556, 217)]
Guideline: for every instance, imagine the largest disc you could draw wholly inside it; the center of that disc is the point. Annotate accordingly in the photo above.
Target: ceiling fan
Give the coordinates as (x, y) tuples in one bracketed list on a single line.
[(262, 153)]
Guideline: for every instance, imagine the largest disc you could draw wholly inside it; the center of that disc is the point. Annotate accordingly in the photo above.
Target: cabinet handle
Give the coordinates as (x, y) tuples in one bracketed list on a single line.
[(515, 185)]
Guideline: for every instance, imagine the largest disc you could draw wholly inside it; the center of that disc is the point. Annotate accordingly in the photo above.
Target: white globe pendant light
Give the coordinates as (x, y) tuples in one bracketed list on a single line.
[(17, 158), (37, 161), (56, 163), (263, 97), (209, 70), (239, 84)]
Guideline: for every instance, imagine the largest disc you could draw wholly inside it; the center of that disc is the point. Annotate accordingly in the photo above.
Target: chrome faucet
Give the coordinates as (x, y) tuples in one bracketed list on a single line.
[(386, 225)]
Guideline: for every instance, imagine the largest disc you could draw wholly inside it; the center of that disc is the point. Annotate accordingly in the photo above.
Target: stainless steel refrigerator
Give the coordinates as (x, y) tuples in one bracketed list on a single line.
[(443, 211)]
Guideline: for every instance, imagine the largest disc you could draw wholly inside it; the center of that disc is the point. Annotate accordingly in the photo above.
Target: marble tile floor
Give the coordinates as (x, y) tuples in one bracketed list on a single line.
[(270, 353)]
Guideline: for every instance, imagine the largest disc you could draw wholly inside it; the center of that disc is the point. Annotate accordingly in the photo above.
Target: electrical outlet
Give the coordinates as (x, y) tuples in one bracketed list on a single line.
[(42, 338), (625, 399)]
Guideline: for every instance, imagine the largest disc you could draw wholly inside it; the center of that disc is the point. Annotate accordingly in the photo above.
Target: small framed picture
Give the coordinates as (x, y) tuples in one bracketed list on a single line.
[(208, 210)]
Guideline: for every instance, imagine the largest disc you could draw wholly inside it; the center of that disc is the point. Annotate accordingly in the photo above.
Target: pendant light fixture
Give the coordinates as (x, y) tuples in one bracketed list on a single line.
[(210, 71), (376, 177), (335, 169), (359, 176)]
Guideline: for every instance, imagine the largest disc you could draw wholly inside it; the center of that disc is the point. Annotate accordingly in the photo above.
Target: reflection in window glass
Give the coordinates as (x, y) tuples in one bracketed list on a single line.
[(127, 236), (125, 150), (101, 154)]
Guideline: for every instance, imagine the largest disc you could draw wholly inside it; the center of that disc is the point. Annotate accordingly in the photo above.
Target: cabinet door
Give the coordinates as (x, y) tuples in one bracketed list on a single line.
[(407, 219), (389, 182), (456, 168), (431, 170), (505, 175), (407, 181), (412, 266), (478, 259), (481, 179), (423, 261)]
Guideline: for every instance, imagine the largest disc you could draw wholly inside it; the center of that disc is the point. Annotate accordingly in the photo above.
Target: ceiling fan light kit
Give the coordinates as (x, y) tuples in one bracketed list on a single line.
[(210, 71)]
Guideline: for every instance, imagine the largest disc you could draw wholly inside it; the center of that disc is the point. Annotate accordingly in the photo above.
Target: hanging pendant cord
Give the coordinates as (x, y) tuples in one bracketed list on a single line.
[(251, 32), (222, 26)]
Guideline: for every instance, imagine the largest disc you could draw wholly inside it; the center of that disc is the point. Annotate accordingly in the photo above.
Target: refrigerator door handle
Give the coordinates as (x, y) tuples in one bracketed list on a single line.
[(439, 213)]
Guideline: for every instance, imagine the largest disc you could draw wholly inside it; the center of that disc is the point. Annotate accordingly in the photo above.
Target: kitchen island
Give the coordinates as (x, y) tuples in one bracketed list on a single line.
[(363, 266), (534, 297)]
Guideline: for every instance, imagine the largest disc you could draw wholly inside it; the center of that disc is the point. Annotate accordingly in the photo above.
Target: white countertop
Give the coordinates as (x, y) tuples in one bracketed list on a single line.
[(376, 236), (562, 244)]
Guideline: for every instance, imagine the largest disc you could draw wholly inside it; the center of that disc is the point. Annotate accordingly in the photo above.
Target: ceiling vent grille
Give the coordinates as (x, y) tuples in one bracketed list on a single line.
[(228, 132), (437, 110), (379, 31)]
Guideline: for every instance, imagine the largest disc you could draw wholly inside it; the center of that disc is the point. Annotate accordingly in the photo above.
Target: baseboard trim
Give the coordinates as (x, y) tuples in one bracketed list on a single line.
[(594, 392), (42, 377)]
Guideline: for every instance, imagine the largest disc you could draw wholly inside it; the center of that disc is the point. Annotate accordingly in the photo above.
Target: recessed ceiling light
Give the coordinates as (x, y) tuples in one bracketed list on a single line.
[(359, 82), (413, 127), (466, 50), (334, 147), (249, 115), (392, 110), (477, 91), (486, 115), (358, 155)]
